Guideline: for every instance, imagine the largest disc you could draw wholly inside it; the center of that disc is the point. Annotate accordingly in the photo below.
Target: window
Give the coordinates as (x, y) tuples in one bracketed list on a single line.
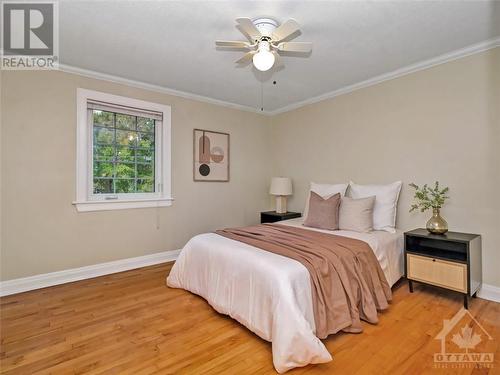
[(123, 153)]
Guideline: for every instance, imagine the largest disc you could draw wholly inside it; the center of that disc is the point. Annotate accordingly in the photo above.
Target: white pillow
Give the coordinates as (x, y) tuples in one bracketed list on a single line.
[(386, 201), (325, 191)]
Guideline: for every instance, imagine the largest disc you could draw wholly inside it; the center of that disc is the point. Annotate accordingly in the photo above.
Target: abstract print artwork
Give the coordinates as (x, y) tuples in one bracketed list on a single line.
[(211, 156)]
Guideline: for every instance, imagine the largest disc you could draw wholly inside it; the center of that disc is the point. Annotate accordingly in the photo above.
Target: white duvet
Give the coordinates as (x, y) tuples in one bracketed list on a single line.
[(268, 293)]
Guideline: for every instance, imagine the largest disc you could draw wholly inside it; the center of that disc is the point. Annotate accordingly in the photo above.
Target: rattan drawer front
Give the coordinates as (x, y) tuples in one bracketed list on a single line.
[(438, 272)]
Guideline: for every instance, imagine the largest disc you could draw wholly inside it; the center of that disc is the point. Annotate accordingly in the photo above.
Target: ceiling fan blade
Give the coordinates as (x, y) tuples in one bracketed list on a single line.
[(232, 43), (285, 29), (278, 62), (295, 46), (247, 57), (249, 28)]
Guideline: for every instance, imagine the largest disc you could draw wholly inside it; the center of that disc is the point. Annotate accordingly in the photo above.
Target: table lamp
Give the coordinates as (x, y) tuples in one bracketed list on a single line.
[(281, 187)]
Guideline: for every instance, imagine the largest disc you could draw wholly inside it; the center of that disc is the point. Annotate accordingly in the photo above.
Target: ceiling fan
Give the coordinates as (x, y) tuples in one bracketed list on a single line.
[(266, 39)]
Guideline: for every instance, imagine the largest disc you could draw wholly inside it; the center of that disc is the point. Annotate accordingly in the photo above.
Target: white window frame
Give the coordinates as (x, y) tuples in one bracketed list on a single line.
[(86, 200)]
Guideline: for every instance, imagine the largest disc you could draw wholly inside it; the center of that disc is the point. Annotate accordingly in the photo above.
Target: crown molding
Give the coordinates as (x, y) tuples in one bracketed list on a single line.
[(422, 65), (156, 88)]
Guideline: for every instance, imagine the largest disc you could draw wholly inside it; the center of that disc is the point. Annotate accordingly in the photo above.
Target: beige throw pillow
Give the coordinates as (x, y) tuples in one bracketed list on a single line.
[(323, 213), (356, 214)]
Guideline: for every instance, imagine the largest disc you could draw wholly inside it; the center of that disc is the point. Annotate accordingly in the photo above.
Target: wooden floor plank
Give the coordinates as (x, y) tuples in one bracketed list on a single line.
[(131, 323)]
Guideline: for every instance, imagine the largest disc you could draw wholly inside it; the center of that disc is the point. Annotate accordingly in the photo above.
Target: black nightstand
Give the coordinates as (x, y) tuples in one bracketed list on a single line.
[(273, 216), (451, 261)]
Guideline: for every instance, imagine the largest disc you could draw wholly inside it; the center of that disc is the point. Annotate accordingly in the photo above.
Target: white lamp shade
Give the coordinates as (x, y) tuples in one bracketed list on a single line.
[(281, 186), (263, 60)]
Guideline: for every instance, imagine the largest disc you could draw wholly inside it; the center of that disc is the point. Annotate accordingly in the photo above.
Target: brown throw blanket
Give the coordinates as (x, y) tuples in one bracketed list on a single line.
[(347, 282)]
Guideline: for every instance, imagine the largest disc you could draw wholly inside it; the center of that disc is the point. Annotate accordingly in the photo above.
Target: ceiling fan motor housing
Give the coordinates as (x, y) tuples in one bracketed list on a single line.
[(266, 26)]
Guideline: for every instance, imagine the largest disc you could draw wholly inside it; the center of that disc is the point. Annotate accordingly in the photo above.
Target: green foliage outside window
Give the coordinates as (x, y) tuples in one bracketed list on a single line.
[(124, 153)]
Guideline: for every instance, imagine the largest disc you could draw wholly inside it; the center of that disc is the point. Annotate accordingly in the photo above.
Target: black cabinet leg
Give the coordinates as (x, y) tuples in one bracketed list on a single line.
[(466, 302), (410, 285)]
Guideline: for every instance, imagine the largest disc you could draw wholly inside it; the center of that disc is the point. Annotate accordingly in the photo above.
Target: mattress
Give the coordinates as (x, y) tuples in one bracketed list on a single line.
[(268, 293), (388, 247)]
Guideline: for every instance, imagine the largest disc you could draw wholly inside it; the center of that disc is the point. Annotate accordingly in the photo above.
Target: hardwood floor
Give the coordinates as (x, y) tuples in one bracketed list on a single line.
[(131, 323)]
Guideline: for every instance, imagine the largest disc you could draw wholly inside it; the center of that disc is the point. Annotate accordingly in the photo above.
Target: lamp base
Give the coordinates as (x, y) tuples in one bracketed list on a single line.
[(281, 204)]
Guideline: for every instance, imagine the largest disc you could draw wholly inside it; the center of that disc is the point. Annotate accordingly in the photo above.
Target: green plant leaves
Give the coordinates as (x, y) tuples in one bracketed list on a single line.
[(426, 197)]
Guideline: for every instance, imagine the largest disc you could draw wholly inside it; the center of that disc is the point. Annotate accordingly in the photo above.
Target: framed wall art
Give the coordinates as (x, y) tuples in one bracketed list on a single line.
[(211, 156)]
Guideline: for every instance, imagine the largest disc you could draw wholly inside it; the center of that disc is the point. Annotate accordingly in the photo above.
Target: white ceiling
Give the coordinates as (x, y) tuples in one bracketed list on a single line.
[(171, 43)]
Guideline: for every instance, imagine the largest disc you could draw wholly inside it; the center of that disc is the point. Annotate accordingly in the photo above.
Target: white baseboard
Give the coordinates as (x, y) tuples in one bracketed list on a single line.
[(489, 292), (61, 277)]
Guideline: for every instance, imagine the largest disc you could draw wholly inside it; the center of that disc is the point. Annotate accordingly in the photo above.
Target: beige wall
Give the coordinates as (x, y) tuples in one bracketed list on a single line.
[(42, 232), (441, 124)]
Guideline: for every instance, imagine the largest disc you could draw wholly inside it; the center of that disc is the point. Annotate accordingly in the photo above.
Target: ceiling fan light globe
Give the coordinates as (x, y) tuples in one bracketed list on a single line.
[(263, 60)]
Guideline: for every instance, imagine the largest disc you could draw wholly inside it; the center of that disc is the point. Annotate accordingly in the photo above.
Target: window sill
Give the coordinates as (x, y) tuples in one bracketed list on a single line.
[(122, 204)]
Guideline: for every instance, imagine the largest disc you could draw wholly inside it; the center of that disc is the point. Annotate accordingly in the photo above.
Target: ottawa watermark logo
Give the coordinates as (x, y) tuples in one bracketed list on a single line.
[(464, 343), (30, 35)]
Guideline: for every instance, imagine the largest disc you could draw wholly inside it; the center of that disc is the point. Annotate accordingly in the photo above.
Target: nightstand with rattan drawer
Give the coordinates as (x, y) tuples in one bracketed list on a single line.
[(451, 261)]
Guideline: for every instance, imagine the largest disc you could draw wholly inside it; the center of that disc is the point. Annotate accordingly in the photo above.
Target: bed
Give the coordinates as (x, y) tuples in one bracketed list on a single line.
[(268, 293)]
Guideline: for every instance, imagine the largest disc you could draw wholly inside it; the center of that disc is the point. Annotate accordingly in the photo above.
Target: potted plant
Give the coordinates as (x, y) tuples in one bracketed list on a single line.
[(427, 197)]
